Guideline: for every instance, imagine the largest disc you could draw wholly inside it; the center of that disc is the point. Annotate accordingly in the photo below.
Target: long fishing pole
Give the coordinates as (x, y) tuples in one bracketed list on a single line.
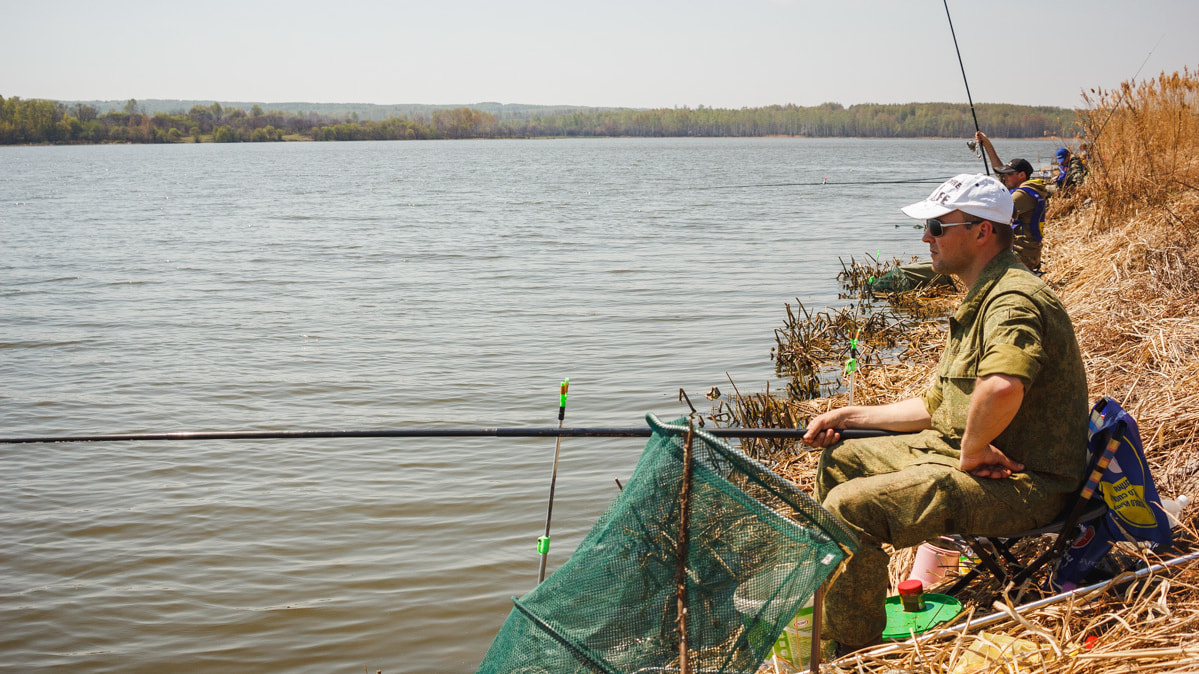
[(826, 182), (962, 65), (543, 543), (1120, 98), (494, 432)]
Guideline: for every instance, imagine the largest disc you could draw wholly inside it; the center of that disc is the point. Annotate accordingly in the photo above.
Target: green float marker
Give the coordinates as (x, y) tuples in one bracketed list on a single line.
[(851, 365), (543, 543)]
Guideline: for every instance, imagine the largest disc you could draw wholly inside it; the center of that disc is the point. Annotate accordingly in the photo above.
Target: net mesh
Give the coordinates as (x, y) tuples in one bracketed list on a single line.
[(758, 550)]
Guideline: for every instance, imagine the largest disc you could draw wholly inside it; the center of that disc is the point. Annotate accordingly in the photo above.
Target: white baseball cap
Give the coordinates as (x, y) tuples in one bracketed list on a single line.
[(972, 193)]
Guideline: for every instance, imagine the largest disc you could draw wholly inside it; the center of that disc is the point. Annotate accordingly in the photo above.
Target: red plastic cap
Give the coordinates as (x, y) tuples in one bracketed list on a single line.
[(911, 587)]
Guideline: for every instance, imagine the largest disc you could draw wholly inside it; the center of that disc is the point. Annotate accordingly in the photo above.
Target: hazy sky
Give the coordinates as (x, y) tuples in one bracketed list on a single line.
[(634, 53)]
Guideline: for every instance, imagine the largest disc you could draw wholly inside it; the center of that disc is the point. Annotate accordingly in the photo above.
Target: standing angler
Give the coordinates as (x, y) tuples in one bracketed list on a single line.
[(1028, 195), (997, 443)]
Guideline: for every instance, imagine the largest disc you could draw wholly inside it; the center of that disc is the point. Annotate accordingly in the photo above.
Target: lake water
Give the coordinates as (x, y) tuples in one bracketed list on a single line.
[(316, 286)]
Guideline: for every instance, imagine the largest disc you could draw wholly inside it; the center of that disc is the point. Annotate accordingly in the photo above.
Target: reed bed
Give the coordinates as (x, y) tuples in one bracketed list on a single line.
[(1122, 252)]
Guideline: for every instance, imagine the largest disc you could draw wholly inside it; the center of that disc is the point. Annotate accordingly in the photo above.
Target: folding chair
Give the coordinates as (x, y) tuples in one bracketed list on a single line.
[(994, 553)]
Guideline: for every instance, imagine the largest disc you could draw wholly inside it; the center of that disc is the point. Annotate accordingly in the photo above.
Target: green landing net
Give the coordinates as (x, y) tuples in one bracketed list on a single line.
[(758, 550)]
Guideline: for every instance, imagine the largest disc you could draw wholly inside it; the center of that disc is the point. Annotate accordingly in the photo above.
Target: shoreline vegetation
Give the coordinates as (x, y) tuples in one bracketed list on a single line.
[(38, 122), (1122, 252)]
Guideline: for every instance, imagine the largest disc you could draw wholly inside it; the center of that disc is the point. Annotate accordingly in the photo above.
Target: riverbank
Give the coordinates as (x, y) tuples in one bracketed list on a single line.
[(1122, 252)]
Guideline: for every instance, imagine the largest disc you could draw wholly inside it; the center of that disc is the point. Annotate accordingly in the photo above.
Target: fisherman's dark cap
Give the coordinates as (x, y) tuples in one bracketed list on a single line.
[(1015, 166)]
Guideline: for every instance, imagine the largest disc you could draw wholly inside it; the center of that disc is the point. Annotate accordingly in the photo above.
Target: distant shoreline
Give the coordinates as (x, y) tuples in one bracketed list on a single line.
[(50, 122), (597, 138), (547, 138)]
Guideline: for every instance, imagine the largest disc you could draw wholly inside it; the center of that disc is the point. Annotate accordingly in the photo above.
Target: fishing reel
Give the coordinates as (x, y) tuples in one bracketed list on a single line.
[(973, 145)]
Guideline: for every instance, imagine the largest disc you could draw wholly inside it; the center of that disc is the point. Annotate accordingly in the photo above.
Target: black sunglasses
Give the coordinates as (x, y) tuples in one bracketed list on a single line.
[(937, 228)]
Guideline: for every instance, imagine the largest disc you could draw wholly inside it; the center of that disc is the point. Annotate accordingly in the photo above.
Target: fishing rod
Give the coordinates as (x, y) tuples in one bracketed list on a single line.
[(910, 181), (1120, 99), (543, 543), (496, 432), (962, 65)]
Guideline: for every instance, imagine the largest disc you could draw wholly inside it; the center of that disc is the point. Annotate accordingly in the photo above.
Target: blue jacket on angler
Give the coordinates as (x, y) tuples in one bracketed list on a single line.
[(1134, 508)]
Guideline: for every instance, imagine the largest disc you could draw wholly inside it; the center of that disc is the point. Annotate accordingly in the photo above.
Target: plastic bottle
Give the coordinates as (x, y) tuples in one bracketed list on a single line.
[(1174, 508)]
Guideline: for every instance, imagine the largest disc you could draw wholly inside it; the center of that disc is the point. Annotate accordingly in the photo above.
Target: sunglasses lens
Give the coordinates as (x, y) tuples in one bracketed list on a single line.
[(934, 227)]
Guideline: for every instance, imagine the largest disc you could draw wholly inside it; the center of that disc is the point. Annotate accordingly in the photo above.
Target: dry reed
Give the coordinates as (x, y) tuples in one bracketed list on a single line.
[(1122, 252)]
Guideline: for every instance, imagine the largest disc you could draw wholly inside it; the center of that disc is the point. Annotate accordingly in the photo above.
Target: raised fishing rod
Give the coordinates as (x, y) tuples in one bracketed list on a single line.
[(543, 543), (493, 432), (969, 98), (1120, 98)]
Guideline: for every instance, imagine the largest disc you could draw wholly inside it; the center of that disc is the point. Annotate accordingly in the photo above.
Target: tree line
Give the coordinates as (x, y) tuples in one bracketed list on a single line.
[(373, 111), (908, 120), (37, 121)]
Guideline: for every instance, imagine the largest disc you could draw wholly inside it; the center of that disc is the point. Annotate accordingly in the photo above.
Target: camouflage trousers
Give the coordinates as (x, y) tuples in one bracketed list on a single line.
[(1028, 250), (896, 490)]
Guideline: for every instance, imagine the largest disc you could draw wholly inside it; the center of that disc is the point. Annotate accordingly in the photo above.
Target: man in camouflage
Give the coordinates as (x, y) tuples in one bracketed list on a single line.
[(993, 447), (1070, 172), (1028, 197), (1076, 171)]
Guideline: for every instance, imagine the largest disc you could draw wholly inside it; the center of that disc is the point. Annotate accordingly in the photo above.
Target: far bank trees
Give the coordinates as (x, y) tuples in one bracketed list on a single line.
[(37, 121)]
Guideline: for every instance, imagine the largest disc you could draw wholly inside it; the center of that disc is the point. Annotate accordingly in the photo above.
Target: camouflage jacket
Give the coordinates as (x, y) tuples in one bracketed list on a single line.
[(1011, 323), (1077, 172)]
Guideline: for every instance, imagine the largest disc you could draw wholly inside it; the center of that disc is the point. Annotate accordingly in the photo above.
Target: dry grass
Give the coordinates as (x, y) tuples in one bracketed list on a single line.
[(1142, 626), (1123, 254)]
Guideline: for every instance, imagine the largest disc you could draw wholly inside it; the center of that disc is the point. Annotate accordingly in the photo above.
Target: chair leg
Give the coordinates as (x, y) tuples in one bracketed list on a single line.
[(1005, 550), (988, 558), (963, 581), (1050, 556)]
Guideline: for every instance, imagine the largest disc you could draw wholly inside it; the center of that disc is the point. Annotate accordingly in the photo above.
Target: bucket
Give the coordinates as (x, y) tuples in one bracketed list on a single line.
[(933, 563), (793, 646)]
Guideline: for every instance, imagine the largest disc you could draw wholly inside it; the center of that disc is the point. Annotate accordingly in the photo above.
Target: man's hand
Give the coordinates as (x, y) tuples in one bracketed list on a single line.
[(993, 405), (985, 144), (989, 463), (822, 430)]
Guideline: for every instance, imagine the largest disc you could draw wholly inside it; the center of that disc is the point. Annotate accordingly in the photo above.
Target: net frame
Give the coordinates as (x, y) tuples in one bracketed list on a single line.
[(758, 549)]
